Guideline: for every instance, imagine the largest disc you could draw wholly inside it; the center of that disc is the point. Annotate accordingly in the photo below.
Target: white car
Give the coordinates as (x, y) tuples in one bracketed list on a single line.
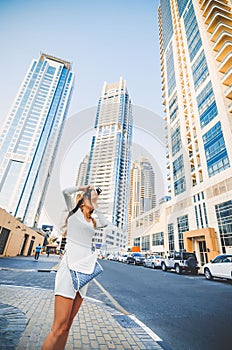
[(153, 261), (220, 267), (123, 258)]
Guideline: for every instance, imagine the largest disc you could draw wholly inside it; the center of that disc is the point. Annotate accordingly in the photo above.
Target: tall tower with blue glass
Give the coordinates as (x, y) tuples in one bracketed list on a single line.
[(110, 155), (196, 61), (30, 136)]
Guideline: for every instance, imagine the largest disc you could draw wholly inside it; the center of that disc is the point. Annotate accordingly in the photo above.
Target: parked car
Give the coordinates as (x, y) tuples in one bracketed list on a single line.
[(122, 258), (110, 257), (181, 262), (135, 258), (220, 267), (153, 261)]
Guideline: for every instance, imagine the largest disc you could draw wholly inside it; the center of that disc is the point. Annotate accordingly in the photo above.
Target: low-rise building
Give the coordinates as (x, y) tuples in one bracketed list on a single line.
[(16, 238)]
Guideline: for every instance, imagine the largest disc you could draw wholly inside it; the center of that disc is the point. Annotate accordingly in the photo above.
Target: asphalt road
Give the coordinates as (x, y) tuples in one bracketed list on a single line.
[(187, 312)]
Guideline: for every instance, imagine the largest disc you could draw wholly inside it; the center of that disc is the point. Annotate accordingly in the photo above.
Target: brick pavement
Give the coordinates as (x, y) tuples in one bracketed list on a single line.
[(27, 314), (97, 326)]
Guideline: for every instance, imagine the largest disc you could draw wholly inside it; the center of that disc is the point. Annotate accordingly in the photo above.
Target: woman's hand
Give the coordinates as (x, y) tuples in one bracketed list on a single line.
[(84, 188)]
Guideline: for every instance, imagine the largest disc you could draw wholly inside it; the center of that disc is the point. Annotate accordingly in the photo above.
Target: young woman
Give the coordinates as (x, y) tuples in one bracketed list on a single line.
[(78, 256)]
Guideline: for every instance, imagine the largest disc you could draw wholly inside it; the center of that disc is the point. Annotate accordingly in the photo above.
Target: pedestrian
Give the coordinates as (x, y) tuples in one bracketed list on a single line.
[(60, 254), (80, 228), (48, 252), (37, 251)]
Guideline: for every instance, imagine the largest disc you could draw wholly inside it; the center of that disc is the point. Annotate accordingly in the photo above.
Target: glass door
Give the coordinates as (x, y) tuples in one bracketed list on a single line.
[(203, 253)]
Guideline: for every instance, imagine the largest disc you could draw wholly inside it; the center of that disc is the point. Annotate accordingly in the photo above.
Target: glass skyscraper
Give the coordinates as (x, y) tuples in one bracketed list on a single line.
[(110, 155), (30, 136)]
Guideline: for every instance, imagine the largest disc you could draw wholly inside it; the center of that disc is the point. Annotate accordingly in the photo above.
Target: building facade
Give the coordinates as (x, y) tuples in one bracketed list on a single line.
[(110, 157), (30, 136), (142, 192), (196, 61)]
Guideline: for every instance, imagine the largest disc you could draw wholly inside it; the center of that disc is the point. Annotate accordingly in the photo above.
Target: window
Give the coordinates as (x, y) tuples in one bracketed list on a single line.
[(183, 226), (176, 140), (173, 108), (200, 70), (178, 175), (171, 241), (146, 242), (206, 105), (137, 242), (158, 238), (215, 150), (200, 210), (224, 219)]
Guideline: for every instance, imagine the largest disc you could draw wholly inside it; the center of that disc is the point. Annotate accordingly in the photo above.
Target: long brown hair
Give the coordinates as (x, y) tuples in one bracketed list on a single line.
[(87, 212)]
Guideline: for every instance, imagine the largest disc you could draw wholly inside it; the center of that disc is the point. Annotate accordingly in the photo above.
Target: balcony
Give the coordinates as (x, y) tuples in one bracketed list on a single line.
[(205, 3), (218, 17), (226, 48), (220, 28), (227, 78), (217, 3), (223, 38), (228, 92), (217, 9), (226, 64)]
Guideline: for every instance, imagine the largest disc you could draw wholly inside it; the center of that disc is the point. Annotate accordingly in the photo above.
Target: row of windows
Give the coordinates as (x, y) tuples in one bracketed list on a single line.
[(181, 6), (205, 98), (167, 26), (178, 167), (171, 79), (200, 70), (206, 105), (192, 32), (176, 141), (173, 108), (215, 150)]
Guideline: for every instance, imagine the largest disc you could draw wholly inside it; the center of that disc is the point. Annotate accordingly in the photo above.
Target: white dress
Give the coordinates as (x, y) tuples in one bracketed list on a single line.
[(78, 255)]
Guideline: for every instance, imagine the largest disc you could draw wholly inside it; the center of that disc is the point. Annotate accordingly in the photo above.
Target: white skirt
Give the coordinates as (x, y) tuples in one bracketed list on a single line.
[(63, 283)]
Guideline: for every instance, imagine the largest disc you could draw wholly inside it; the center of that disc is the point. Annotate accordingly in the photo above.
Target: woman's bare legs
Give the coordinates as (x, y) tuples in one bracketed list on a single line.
[(65, 311)]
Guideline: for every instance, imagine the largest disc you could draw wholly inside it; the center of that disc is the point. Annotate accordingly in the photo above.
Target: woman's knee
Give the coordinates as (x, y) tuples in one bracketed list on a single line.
[(61, 330)]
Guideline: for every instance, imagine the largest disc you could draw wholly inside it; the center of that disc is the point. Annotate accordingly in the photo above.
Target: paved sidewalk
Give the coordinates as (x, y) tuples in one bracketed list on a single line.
[(27, 314)]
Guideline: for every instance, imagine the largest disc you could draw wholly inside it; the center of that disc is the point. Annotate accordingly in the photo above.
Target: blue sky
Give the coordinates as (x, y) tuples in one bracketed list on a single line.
[(103, 39)]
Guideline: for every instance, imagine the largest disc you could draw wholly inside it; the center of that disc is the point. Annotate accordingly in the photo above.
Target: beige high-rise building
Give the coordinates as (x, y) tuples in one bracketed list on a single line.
[(196, 68), (82, 171), (142, 193)]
